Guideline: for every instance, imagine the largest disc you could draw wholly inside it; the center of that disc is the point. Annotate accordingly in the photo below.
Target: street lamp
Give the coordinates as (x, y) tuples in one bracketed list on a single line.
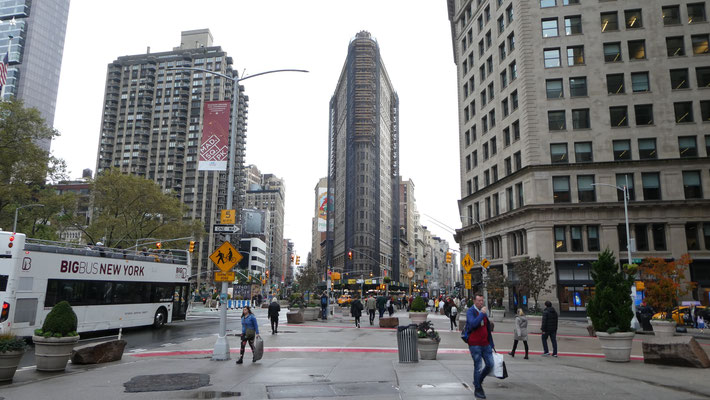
[(14, 225), (221, 348)]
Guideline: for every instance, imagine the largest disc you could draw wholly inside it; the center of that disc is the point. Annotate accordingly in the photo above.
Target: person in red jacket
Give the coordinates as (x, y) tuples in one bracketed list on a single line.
[(477, 334)]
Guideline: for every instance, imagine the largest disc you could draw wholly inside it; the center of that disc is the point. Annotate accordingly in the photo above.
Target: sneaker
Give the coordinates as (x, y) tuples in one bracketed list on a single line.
[(479, 394), (511, 354), (545, 354), (240, 361), (554, 355)]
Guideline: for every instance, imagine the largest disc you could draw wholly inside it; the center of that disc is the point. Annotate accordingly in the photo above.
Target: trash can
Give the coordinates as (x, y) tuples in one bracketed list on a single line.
[(407, 343)]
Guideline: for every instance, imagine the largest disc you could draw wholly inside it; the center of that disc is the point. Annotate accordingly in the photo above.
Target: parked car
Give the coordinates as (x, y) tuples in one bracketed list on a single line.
[(681, 315)]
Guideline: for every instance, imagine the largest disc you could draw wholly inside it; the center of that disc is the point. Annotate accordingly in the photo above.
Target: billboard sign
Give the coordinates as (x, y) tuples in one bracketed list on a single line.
[(322, 209), (215, 136)]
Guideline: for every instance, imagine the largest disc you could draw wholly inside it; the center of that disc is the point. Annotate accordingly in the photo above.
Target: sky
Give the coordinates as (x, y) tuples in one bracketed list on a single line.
[(288, 112)]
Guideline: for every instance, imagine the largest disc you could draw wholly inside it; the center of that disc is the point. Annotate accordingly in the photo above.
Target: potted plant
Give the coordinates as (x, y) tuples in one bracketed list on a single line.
[(55, 341), (386, 280), (418, 312), (664, 283), (610, 306), (11, 350), (427, 340)]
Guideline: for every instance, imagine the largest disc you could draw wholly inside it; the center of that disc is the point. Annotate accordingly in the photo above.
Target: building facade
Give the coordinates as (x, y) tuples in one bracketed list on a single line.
[(563, 102), (32, 34), (319, 225), (152, 127), (270, 194), (363, 169)]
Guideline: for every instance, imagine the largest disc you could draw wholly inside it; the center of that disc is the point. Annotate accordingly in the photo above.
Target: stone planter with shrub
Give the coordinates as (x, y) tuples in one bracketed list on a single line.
[(55, 341), (418, 312), (11, 350), (427, 341)]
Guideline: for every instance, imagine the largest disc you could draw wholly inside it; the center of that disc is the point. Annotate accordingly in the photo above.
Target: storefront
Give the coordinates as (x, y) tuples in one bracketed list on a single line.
[(574, 286), (700, 273)]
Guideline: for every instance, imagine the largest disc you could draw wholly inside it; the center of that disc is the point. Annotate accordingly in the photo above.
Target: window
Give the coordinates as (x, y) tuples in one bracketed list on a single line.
[(514, 100), (679, 79), (547, 3), (691, 185), (494, 147), (475, 158), (683, 112), (628, 181), (560, 189), (687, 146), (580, 119), (576, 236), (641, 236), (610, 21), (519, 193), (593, 238), (494, 173), (696, 13), (501, 25), (475, 184), (622, 150), (700, 43), (585, 188), (506, 137), (658, 232), (578, 86), (618, 116), (651, 183), (675, 46), (639, 82), (486, 177), (573, 25), (647, 149), (509, 196), (501, 52), (671, 15), (621, 233), (552, 58), (703, 75), (575, 55), (615, 84), (513, 67), (706, 235), (612, 52), (644, 114), (558, 153), (549, 28), (637, 49), (554, 88), (516, 130), (556, 120), (468, 163), (508, 166), (691, 236), (705, 113), (485, 151), (511, 42), (506, 107), (633, 19), (517, 160), (583, 152), (570, 2), (560, 242)]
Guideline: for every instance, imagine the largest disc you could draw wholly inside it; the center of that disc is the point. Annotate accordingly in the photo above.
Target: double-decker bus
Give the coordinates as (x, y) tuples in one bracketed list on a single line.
[(107, 288)]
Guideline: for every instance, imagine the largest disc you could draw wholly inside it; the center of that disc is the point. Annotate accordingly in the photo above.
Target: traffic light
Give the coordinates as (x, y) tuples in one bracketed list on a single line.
[(267, 274), (291, 257), (192, 246), (350, 255), (448, 257), (298, 260), (159, 245)]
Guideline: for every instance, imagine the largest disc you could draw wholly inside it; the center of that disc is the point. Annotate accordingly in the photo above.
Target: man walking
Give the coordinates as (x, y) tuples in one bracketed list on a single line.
[(477, 334), (371, 306), (273, 315), (549, 329), (381, 302)]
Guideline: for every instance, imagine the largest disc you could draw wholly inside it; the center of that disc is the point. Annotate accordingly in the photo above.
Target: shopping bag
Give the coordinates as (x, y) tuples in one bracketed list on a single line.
[(499, 370), (258, 348)]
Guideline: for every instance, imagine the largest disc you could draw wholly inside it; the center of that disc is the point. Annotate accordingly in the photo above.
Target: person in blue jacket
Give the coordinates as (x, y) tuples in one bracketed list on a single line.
[(477, 334), (250, 330)]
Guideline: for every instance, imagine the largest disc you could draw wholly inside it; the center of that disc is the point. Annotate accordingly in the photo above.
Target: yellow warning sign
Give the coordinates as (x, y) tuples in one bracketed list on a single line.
[(226, 257), (467, 281), (467, 262), (485, 263), (224, 276), (228, 217)]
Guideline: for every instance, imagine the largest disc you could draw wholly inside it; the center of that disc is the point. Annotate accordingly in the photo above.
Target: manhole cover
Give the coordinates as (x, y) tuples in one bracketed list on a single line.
[(164, 382), (208, 394)]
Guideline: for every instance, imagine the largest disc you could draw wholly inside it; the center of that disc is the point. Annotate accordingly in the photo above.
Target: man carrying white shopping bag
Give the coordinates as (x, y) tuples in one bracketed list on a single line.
[(477, 334)]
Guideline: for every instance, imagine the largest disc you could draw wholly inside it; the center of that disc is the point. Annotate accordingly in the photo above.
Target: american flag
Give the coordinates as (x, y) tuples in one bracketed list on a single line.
[(3, 70)]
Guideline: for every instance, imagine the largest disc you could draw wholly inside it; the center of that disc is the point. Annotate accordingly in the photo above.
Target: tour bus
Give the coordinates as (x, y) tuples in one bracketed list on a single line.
[(107, 288)]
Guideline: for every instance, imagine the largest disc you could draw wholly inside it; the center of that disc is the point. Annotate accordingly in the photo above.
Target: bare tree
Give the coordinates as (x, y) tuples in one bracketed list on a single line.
[(533, 275)]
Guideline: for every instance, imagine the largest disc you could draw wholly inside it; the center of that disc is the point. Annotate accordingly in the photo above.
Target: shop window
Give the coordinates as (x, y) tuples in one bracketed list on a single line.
[(683, 112), (558, 153), (637, 49), (691, 236), (675, 46), (560, 240), (639, 82), (622, 149), (641, 236), (576, 243), (658, 232), (554, 88), (651, 182), (556, 120), (671, 15), (592, 238), (583, 152), (687, 146), (619, 116), (691, 185), (628, 181), (585, 188), (612, 52), (549, 28), (644, 114), (700, 43), (679, 79), (609, 21), (560, 189), (578, 86), (703, 76), (633, 19), (573, 25), (696, 13)]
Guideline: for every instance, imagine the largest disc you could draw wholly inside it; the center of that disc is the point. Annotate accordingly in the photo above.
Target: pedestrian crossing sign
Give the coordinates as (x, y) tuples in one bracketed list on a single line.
[(226, 257)]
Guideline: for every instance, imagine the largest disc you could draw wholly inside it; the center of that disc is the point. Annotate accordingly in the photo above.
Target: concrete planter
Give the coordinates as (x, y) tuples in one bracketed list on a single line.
[(616, 346), (9, 360), (663, 328), (52, 354), (311, 313), (418, 317), (427, 348), (497, 315)]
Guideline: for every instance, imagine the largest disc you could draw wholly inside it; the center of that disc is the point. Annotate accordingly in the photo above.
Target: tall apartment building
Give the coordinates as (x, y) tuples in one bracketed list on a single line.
[(319, 225), (270, 194), (32, 33), (152, 127), (287, 263), (563, 101), (363, 165)]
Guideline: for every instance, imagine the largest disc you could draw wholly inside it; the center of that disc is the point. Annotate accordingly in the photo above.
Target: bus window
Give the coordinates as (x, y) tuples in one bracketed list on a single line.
[(3, 282)]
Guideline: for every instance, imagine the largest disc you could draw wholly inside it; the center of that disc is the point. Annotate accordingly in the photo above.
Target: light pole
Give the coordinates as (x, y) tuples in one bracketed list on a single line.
[(221, 347), (14, 225)]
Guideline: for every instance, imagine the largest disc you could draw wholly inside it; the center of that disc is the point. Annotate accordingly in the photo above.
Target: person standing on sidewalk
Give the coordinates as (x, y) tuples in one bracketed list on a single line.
[(520, 332), (250, 330), (477, 334), (381, 302), (371, 306), (549, 329), (453, 314), (356, 310), (274, 309)]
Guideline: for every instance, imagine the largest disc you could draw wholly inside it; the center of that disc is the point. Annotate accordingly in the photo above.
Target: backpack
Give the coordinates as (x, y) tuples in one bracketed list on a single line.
[(453, 311)]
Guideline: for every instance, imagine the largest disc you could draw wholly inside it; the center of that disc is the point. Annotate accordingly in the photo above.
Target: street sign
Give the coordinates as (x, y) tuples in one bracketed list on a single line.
[(352, 281), (428, 272), (467, 262), (636, 260), (485, 263), (467, 281), (226, 257), (368, 281), (220, 276), (228, 217), (219, 228), (410, 274)]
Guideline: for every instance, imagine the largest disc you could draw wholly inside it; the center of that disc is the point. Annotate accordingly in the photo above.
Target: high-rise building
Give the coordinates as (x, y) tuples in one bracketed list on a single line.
[(561, 104), (319, 225), (363, 168), (152, 127), (32, 34), (288, 263), (270, 194)]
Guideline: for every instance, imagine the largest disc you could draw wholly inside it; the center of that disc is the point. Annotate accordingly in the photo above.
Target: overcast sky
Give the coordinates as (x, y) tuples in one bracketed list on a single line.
[(288, 113)]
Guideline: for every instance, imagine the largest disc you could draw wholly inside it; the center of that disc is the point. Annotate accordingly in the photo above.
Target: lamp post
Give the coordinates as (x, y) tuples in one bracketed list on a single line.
[(221, 347), (14, 225)]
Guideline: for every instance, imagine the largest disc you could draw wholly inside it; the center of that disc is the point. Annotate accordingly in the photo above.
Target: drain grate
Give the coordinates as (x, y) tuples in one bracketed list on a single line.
[(209, 394), (165, 382)]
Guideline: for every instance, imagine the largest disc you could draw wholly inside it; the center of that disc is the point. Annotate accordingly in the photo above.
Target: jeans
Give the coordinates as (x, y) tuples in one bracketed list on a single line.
[(324, 312), (381, 311), (553, 338), (478, 353), (453, 322), (274, 324), (372, 315)]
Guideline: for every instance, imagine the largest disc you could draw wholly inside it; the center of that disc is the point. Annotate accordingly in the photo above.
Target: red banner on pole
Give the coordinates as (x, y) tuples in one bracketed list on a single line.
[(215, 136)]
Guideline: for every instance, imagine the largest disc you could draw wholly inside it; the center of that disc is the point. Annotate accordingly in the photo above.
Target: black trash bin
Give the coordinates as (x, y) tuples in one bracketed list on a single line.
[(407, 343)]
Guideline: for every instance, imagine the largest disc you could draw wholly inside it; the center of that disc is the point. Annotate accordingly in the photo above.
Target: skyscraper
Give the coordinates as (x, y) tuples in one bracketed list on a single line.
[(152, 125), (270, 194), (33, 32), (363, 169), (563, 102)]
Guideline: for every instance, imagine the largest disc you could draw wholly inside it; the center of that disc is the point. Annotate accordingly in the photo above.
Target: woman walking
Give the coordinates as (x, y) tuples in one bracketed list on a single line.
[(453, 314), (521, 332), (250, 330), (356, 310)]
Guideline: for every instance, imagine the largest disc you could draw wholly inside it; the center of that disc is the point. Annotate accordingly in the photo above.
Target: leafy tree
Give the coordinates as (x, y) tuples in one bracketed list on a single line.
[(496, 282), (308, 278), (610, 306), (664, 281), (533, 275)]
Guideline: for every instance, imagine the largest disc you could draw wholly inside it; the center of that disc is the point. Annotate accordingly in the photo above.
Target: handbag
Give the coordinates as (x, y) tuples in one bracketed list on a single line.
[(499, 369), (258, 348), (250, 334)]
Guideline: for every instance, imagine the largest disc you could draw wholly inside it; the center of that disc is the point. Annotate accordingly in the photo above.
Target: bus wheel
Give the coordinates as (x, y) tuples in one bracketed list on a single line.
[(161, 316)]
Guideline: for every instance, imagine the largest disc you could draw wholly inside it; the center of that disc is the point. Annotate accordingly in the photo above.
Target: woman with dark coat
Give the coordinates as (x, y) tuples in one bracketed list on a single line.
[(250, 330), (520, 332), (356, 310)]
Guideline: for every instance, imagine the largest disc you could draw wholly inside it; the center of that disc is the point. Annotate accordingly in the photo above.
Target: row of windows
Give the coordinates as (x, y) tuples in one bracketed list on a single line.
[(647, 150), (514, 196), (89, 293)]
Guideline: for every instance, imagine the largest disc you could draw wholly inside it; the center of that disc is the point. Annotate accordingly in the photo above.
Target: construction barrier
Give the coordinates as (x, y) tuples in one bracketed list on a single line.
[(233, 304)]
